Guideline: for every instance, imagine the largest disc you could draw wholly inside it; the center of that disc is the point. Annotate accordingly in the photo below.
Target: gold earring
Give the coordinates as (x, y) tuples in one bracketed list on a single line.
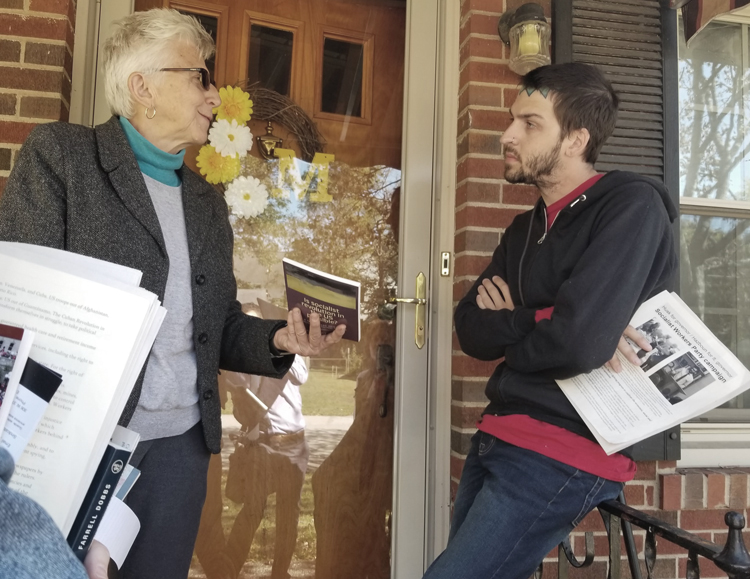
[(152, 116)]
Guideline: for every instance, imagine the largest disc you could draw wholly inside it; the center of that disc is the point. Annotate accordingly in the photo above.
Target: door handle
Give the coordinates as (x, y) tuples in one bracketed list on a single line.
[(421, 302), (418, 301)]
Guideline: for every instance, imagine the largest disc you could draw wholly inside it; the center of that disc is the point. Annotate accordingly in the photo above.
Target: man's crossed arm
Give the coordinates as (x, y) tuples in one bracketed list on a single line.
[(494, 294)]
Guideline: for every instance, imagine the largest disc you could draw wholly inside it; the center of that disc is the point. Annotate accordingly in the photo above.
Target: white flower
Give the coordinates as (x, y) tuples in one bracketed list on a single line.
[(247, 197), (230, 138)]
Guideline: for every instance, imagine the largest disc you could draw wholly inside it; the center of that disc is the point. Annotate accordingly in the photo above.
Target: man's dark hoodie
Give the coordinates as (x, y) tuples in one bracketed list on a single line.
[(607, 252)]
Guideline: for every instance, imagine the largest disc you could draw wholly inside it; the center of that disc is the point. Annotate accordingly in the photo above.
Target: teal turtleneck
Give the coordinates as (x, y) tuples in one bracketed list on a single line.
[(152, 161)]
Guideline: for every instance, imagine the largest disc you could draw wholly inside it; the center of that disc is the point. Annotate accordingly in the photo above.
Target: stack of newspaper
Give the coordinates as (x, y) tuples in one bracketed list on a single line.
[(687, 372), (93, 326)]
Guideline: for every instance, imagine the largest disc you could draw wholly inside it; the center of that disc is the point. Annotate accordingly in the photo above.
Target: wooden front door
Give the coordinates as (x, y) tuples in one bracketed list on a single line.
[(316, 502)]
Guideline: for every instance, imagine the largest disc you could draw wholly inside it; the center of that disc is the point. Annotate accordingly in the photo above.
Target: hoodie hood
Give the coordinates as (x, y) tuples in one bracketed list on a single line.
[(616, 179)]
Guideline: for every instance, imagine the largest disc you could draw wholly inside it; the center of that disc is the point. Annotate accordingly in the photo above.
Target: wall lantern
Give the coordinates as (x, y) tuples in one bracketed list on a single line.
[(527, 32)]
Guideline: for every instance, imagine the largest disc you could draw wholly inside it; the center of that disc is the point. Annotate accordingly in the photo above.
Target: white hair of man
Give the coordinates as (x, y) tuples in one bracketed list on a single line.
[(140, 43)]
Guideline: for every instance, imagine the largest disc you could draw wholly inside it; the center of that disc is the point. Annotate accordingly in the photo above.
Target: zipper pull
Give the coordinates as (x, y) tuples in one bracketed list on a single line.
[(542, 238), (581, 198)]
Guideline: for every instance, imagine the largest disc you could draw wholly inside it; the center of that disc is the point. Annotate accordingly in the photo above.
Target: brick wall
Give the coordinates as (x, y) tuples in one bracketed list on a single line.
[(695, 500), (36, 59), (485, 204)]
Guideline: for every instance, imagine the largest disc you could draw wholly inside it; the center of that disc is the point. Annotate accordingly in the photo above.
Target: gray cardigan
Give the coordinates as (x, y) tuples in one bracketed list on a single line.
[(81, 190)]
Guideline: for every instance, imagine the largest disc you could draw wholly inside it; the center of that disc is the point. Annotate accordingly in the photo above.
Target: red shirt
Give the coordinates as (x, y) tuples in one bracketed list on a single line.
[(549, 440), (559, 444)]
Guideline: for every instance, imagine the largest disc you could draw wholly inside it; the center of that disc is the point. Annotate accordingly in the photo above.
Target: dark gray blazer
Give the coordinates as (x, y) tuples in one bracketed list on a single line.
[(80, 189)]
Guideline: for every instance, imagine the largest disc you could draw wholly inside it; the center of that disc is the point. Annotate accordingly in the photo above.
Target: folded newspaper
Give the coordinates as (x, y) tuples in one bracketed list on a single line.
[(687, 373)]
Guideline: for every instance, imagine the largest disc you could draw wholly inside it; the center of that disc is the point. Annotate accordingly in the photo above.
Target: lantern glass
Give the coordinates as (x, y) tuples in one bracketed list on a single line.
[(529, 46)]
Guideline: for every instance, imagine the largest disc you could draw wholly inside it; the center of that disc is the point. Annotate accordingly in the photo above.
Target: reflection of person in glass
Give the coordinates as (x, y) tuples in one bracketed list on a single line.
[(352, 488), (121, 192), (272, 454)]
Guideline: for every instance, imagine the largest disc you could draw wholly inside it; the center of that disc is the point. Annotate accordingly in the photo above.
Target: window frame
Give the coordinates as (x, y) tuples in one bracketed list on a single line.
[(368, 65), (221, 13), (296, 27), (712, 443)]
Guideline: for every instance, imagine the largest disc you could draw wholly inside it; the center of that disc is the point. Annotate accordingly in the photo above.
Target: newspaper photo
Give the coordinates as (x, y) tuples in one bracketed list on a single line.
[(687, 372)]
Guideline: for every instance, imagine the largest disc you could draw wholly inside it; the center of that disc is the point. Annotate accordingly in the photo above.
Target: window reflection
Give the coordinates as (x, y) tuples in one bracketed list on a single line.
[(715, 281), (342, 77), (270, 58), (211, 24), (714, 106)]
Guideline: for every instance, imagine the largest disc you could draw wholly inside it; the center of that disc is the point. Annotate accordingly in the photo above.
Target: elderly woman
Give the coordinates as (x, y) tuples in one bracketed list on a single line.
[(122, 193)]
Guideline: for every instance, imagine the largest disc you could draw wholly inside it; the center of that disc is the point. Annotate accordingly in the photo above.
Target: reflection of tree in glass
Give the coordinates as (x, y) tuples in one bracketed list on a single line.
[(712, 145), (351, 236), (715, 278)]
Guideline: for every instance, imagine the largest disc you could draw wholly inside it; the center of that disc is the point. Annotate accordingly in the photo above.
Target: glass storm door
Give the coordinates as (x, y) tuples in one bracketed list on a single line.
[(329, 482)]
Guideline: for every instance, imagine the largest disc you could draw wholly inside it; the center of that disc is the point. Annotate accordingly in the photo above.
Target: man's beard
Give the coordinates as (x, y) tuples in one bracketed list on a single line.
[(537, 169)]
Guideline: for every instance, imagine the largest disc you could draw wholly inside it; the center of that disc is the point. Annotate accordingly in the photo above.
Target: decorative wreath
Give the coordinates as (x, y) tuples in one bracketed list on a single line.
[(268, 105)]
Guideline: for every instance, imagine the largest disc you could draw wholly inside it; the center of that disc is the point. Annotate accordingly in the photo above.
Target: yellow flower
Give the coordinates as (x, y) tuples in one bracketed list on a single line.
[(215, 167), (235, 104)]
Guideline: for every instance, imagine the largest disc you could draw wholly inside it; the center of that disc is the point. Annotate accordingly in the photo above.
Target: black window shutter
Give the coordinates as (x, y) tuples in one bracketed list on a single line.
[(635, 43)]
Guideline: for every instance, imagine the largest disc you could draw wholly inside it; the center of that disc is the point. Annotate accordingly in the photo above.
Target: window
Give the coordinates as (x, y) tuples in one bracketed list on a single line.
[(211, 24), (270, 58), (715, 190), (215, 19), (342, 77)]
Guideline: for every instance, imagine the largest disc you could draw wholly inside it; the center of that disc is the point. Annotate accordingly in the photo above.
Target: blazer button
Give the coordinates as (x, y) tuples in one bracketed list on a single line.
[(208, 394), (203, 338), (200, 279)]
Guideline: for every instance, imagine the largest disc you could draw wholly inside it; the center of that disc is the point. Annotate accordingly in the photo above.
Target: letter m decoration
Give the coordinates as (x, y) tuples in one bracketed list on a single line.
[(315, 178)]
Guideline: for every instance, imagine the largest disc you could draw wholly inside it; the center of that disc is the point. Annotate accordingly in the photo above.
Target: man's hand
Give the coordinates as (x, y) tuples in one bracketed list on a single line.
[(97, 561), (295, 339), (494, 295), (627, 350)]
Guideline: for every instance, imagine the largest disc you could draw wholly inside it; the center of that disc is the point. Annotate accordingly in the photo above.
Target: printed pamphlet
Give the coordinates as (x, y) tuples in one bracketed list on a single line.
[(15, 344), (94, 327), (687, 372), (36, 388), (334, 298)]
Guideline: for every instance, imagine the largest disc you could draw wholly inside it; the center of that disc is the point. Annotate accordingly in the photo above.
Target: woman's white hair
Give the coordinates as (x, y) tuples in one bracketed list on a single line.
[(139, 43)]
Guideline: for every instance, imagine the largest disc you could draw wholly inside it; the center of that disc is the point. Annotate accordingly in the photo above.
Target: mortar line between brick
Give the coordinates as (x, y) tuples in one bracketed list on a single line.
[(34, 13), (477, 228), (25, 92), (489, 206), (481, 180), (28, 120), (460, 404), (50, 15), (35, 120), (29, 66), (469, 156), (478, 36), (34, 39), (473, 131)]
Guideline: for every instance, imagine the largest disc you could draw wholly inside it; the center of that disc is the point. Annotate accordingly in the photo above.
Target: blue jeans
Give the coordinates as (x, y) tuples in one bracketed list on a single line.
[(513, 506)]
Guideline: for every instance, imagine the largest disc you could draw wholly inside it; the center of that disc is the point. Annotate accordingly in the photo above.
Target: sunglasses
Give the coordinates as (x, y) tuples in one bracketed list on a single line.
[(205, 75)]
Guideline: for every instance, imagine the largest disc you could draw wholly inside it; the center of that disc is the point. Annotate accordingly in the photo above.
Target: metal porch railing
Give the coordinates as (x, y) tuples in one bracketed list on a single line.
[(732, 558)]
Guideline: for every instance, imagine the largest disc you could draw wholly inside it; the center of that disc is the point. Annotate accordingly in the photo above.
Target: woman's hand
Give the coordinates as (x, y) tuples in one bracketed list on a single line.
[(97, 561), (296, 340), (494, 295)]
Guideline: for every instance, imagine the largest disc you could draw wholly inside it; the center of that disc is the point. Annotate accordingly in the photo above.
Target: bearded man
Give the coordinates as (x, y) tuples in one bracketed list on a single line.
[(553, 303)]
